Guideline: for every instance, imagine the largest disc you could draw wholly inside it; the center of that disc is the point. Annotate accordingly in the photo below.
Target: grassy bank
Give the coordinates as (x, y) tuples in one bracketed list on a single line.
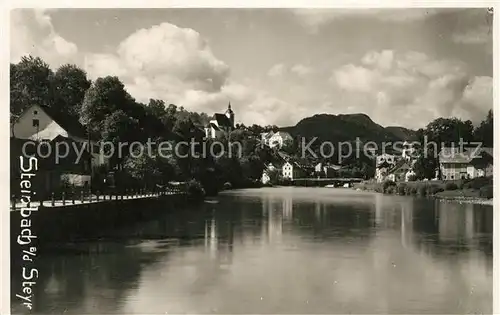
[(478, 188)]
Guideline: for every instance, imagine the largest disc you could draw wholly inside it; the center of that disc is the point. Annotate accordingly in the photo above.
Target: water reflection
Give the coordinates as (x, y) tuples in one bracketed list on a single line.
[(289, 250)]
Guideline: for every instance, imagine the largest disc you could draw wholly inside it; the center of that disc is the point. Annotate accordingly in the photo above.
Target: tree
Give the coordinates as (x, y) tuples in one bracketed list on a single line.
[(69, 84), (484, 132), (426, 164), (30, 84), (445, 131), (106, 96)]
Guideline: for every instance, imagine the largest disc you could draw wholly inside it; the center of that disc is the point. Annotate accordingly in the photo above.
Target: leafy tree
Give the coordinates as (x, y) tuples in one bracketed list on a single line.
[(484, 132), (30, 84), (104, 97), (445, 131), (426, 164), (69, 84)]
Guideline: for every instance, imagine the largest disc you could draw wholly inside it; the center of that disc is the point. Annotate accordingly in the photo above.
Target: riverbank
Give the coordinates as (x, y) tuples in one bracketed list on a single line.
[(478, 190)]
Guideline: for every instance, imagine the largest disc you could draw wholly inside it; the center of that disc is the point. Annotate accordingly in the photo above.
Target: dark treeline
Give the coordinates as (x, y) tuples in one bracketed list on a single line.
[(111, 114)]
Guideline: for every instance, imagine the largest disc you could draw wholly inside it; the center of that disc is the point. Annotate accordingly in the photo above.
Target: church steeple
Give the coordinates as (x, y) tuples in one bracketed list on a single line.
[(230, 114)]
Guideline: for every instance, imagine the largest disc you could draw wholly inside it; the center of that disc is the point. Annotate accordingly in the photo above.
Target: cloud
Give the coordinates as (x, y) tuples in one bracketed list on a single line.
[(475, 36), (413, 88), (276, 70), (32, 33), (177, 65), (301, 70), (315, 18)]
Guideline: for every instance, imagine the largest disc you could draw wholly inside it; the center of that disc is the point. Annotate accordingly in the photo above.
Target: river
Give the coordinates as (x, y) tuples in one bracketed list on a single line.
[(281, 250)]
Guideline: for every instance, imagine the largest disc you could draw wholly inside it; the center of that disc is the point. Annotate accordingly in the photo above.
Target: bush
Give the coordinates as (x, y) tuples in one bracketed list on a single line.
[(433, 189), (227, 185), (479, 182), (451, 186), (402, 189), (387, 184), (195, 189), (422, 190), (486, 192), (391, 189), (413, 190), (412, 178)]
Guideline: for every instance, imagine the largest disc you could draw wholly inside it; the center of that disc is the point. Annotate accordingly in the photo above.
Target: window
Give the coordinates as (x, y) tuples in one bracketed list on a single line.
[(35, 112), (36, 123)]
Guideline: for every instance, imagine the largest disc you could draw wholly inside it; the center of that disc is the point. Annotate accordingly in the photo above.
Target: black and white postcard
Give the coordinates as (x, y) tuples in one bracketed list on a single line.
[(190, 159)]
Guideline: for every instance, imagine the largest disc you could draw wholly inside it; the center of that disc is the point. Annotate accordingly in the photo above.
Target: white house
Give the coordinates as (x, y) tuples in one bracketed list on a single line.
[(265, 136), (292, 170), (41, 123), (408, 150), (265, 173), (469, 163), (280, 139), (221, 124)]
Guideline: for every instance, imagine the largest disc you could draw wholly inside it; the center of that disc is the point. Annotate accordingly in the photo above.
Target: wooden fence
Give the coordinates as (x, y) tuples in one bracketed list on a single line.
[(83, 196)]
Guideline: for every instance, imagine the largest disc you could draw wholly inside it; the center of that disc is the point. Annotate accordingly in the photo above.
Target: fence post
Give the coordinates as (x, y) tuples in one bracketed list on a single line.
[(82, 196), (13, 201), (53, 199), (90, 195), (97, 195), (63, 196), (73, 197)]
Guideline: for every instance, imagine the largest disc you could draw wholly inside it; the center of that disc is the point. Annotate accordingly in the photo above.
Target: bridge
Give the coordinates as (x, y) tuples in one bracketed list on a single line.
[(338, 181)]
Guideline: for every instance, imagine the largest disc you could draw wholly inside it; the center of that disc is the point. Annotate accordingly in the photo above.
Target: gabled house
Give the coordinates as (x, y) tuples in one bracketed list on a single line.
[(326, 170), (221, 124), (398, 172), (265, 136), (43, 124), (267, 172), (276, 139), (280, 139), (292, 170), (384, 163), (467, 163)]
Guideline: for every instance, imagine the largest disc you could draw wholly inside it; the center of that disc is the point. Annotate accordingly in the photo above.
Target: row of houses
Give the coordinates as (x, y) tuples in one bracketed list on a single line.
[(454, 164)]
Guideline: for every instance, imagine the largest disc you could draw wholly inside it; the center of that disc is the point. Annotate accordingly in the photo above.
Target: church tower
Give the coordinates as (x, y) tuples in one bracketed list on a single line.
[(230, 114)]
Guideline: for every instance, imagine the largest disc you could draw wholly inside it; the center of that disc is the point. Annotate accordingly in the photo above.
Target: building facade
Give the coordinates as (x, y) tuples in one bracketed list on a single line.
[(221, 124), (468, 163)]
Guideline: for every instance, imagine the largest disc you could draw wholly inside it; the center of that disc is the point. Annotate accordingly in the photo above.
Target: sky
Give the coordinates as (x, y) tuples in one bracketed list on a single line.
[(402, 67)]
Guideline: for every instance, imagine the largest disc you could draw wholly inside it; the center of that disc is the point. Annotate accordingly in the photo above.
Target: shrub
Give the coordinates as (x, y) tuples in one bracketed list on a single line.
[(433, 189), (413, 190), (402, 189), (422, 190), (195, 189), (412, 178), (387, 184), (391, 189), (486, 192), (379, 189), (479, 182), (451, 186)]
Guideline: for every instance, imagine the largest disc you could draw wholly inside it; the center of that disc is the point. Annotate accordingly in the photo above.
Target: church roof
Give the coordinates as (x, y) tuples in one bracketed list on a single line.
[(222, 120)]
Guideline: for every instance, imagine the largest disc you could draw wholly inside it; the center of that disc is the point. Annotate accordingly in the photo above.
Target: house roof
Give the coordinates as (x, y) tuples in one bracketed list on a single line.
[(454, 155), (67, 122), (212, 125), (399, 165), (222, 120), (283, 135), (267, 135)]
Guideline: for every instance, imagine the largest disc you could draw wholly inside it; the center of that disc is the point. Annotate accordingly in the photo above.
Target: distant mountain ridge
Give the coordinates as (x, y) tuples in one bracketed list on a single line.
[(347, 127)]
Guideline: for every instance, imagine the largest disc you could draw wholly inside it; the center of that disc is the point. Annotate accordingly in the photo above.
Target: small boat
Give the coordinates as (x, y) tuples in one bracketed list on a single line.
[(330, 186), (346, 185)]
